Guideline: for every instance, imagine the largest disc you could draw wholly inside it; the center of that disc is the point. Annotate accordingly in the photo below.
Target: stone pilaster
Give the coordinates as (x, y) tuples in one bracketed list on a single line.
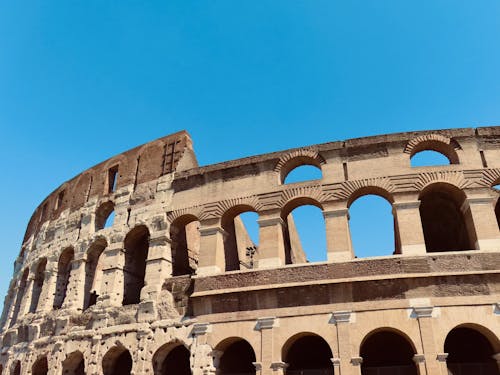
[(267, 349), (442, 367), (278, 368), (271, 242), (424, 315), (355, 368), (342, 319)]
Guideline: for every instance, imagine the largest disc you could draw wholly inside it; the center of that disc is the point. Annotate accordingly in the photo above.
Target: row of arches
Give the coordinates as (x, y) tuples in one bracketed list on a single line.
[(384, 351)]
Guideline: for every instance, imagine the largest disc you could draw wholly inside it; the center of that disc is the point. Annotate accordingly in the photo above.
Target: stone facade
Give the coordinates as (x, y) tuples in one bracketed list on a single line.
[(175, 286)]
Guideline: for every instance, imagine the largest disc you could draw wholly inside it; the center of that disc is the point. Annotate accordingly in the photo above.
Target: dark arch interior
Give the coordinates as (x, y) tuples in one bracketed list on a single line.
[(184, 236), (237, 359), (176, 362), (136, 253), (94, 253), (386, 352), (309, 355), (443, 222), (469, 353), (40, 367), (74, 364), (19, 298), (117, 363), (63, 273), (38, 285), (497, 212), (17, 368)]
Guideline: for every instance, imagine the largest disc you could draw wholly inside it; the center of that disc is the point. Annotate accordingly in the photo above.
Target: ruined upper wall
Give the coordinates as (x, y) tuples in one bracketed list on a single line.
[(136, 166)]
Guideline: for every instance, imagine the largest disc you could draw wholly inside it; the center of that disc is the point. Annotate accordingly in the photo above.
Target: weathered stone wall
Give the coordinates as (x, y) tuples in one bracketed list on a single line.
[(172, 270)]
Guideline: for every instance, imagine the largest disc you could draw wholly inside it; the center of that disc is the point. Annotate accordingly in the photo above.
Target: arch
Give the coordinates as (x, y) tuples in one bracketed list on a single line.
[(386, 351), (63, 274), (74, 364), (371, 215), (307, 353), (446, 220), (40, 367), (306, 241), (172, 358), (295, 159), (136, 252), (237, 357), (103, 213), (434, 142), (470, 350), (185, 245), (38, 284), (21, 290), (16, 368), (117, 361), (236, 238), (93, 272)]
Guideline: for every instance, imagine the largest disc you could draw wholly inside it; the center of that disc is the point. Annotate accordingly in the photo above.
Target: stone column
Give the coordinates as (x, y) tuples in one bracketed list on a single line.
[(26, 298), (75, 292), (419, 360), (336, 365), (424, 316), (158, 266), (271, 250), (356, 366), (212, 259), (278, 368), (442, 367), (338, 234), (46, 301), (204, 359), (341, 319), (112, 278), (267, 355), (484, 222), (409, 227)]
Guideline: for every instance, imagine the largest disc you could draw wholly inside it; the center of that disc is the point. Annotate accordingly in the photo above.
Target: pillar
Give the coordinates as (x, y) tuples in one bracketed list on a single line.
[(409, 227), (212, 259), (271, 250), (484, 222), (342, 319), (267, 352), (278, 368), (356, 366), (419, 360), (441, 360), (338, 234), (76, 286), (158, 266), (112, 278), (430, 363), (46, 301)]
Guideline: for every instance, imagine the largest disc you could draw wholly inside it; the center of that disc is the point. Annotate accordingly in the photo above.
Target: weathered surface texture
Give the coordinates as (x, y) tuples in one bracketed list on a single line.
[(174, 284)]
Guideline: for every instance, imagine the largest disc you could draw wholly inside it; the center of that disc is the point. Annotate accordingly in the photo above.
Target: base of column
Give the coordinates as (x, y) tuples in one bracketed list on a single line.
[(269, 263), (340, 256), (488, 245), (413, 249), (208, 270)]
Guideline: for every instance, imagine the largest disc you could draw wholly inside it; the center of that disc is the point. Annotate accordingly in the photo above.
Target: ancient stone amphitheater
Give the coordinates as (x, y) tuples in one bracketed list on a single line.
[(175, 285)]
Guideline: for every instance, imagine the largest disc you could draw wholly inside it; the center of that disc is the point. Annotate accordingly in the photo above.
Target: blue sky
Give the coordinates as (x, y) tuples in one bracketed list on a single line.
[(83, 80)]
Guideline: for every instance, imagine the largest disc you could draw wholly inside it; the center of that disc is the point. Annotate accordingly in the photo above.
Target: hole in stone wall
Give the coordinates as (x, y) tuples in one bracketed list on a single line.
[(136, 252), (303, 173), (372, 226), (112, 178), (117, 361), (429, 158), (74, 364), (105, 216), (63, 274)]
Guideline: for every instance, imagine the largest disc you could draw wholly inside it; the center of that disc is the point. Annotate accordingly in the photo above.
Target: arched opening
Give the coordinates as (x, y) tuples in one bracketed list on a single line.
[(446, 224), (21, 290), (496, 188), (63, 273), (16, 368), (304, 231), (93, 273), (307, 172), (117, 361), (237, 357), (136, 253), (386, 352), (185, 245), (429, 158), (168, 360), (40, 367), (105, 216), (373, 226), (74, 364), (237, 240), (307, 354), (38, 284), (469, 353)]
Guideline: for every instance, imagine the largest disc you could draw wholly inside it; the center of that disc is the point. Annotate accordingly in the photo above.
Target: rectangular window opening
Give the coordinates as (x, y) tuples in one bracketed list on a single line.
[(112, 178), (346, 175), (483, 159), (59, 201)]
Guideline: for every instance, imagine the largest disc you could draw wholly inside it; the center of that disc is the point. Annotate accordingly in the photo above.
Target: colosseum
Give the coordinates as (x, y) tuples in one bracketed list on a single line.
[(174, 285)]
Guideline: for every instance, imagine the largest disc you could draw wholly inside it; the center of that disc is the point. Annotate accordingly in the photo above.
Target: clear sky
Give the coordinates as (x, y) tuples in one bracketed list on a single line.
[(81, 81)]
